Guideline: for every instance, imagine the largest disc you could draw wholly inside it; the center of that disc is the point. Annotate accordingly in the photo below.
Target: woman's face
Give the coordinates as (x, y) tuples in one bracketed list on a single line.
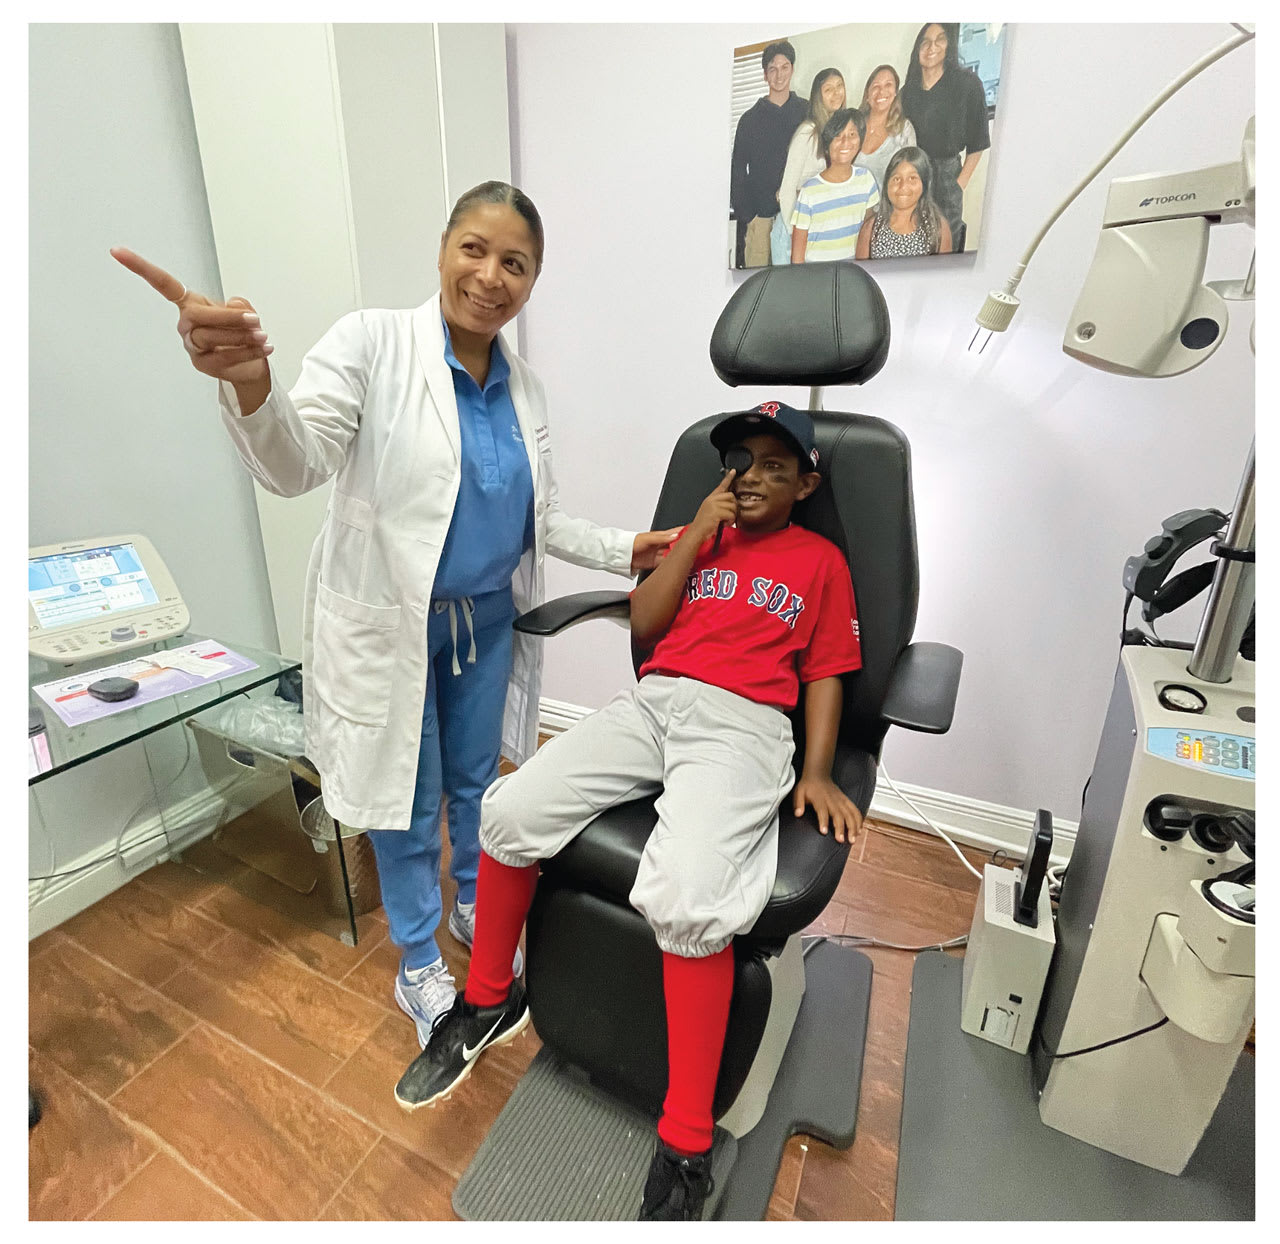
[(832, 92), (904, 187), (488, 265), (933, 47), (882, 91), (845, 145)]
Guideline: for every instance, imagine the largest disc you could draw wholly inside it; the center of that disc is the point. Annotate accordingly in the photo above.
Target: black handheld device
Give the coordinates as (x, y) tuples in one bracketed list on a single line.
[(112, 689), (1026, 890)]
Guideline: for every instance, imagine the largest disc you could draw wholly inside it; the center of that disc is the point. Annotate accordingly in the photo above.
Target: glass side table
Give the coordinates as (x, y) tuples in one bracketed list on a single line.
[(263, 830)]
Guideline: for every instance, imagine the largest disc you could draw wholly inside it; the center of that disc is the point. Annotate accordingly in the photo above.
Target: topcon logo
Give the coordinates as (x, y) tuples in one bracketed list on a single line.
[(1168, 198)]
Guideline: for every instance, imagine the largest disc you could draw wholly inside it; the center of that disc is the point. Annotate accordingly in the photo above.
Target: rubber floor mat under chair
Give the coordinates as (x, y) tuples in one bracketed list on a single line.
[(563, 1151)]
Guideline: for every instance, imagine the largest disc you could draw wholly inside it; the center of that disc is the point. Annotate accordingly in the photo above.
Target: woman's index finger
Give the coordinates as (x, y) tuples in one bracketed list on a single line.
[(162, 282)]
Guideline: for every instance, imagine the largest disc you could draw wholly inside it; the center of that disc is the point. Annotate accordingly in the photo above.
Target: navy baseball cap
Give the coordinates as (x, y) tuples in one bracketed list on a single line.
[(790, 425)]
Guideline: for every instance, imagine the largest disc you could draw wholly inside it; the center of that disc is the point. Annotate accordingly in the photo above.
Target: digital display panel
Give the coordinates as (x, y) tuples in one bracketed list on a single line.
[(69, 588), (1233, 754)]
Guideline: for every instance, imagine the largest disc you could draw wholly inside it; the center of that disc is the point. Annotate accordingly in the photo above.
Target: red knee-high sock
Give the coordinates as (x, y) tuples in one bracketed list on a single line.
[(697, 993), (503, 895)]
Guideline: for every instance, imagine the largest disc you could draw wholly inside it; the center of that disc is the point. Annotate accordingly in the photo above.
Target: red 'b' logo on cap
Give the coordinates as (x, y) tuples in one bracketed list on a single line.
[(769, 408)]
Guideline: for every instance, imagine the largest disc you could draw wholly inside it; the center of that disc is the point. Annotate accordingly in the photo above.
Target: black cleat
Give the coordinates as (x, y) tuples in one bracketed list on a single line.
[(677, 1186), (458, 1038)]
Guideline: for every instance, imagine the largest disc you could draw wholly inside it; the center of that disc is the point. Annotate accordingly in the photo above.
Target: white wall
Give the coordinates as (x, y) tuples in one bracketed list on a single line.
[(123, 435), (1035, 476)]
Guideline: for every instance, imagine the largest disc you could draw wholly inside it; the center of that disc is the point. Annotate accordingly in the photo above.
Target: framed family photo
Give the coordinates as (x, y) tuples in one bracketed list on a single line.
[(866, 141)]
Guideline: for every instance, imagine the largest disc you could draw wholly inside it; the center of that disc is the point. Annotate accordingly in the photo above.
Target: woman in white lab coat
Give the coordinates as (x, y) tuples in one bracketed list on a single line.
[(443, 509)]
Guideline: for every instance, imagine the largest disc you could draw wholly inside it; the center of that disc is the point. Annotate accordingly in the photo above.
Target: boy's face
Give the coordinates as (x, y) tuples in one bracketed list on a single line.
[(771, 485)]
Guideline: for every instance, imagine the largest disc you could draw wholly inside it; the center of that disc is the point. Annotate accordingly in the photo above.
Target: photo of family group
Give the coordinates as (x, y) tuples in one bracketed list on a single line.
[(867, 141)]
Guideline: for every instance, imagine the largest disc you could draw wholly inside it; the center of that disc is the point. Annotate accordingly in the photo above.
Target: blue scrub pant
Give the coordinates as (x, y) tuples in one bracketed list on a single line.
[(457, 757)]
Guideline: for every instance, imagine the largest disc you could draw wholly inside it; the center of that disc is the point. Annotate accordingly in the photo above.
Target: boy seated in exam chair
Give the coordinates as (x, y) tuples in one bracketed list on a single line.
[(744, 608)]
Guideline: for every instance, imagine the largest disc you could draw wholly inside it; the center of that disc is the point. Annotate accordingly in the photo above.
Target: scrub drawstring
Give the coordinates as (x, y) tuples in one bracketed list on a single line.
[(468, 612)]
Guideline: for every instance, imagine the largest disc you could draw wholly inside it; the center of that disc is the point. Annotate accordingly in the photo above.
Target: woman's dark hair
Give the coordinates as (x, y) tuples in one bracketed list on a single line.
[(781, 47), (952, 61), (500, 192), (818, 113), (893, 122), (835, 125), (927, 214)]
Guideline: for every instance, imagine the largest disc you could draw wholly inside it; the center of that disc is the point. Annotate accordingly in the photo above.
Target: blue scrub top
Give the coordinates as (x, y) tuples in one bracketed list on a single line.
[(492, 521)]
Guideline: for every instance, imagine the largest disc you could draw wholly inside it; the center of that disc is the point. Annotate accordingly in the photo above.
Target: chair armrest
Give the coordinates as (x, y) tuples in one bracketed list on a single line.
[(923, 687), (557, 615)]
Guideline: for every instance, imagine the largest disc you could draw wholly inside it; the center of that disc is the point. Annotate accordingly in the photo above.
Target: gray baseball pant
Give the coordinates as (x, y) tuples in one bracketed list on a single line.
[(723, 765)]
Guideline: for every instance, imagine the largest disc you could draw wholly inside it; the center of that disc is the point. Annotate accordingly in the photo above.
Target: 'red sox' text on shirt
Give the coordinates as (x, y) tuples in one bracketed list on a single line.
[(763, 614)]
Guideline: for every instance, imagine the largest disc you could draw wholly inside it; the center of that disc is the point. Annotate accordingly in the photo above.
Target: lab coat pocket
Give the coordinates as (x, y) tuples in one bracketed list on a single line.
[(354, 650), (352, 510)]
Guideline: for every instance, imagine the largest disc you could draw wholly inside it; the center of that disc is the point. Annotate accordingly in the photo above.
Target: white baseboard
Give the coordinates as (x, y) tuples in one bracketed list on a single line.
[(146, 844), (971, 822)]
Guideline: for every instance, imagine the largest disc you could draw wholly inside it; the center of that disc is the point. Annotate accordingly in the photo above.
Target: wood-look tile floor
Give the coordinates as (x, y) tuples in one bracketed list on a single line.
[(199, 1057)]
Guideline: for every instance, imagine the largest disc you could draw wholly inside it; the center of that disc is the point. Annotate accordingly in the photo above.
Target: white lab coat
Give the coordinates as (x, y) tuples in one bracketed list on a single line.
[(374, 407)]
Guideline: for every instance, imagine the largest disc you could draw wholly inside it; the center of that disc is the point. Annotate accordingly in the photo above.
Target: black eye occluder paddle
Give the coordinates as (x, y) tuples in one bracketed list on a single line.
[(737, 459)]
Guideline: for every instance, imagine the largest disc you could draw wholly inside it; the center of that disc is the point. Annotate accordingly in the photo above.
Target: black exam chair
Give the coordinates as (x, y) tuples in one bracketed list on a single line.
[(594, 970)]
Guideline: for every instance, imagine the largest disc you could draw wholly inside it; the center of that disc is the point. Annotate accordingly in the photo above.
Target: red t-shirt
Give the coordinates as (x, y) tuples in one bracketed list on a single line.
[(762, 615)]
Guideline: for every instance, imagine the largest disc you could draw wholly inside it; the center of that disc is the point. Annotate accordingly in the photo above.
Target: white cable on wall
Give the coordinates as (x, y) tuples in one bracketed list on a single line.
[(941, 834), (444, 151), (344, 166)]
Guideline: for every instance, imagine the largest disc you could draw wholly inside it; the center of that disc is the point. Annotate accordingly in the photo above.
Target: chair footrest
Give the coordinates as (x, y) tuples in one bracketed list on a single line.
[(563, 1151)]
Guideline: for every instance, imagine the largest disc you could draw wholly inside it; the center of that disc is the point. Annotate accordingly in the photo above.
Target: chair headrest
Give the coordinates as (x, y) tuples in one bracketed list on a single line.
[(803, 324)]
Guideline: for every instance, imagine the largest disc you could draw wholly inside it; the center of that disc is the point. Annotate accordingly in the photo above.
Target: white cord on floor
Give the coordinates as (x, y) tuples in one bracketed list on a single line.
[(856, 939), (156, 792), (53, 854), (117, 853), (941, 834)]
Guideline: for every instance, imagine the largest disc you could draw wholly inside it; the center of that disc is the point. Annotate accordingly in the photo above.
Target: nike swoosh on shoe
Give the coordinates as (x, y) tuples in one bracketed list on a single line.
[(468, 1053)]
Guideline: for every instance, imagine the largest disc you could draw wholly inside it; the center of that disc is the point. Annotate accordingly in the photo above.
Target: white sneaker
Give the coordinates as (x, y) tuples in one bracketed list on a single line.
[(462, 924), (424, 994)]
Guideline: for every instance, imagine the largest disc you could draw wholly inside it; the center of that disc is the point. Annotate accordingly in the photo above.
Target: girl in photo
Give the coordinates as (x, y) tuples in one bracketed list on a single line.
[(906, 221)]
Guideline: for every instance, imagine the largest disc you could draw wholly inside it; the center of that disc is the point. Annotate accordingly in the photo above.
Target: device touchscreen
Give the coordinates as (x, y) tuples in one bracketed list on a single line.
[(67, 588)]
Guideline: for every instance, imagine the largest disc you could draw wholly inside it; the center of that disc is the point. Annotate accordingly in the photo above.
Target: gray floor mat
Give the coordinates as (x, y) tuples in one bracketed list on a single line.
[(562, 1151), (818, 1084), (972, 1145)]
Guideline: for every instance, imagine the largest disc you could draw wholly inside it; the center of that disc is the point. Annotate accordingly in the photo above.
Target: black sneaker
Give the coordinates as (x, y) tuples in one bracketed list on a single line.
[(677, 1187), (458, 1038)]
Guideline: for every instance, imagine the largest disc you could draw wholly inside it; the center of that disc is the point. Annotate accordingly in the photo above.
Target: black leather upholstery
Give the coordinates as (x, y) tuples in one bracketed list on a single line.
[(595, 971), (809, 324), (604, 859), (595, 990)]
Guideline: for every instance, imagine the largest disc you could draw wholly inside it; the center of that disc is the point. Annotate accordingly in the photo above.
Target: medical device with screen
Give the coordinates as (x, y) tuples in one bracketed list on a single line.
[(90, 598)]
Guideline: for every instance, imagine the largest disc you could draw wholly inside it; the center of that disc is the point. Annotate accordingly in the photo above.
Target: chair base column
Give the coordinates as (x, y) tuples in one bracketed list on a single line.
[(786, 972)]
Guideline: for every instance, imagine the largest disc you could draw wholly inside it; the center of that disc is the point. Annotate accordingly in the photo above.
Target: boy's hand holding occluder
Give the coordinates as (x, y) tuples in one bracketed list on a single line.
[(720, 506)]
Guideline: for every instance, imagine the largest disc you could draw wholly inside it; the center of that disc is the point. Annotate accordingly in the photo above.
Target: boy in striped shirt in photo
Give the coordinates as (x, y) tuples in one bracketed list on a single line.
[(831, 207)]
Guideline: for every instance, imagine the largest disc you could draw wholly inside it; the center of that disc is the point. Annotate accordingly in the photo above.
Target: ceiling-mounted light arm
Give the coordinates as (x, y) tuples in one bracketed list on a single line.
[(1001, 305)]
